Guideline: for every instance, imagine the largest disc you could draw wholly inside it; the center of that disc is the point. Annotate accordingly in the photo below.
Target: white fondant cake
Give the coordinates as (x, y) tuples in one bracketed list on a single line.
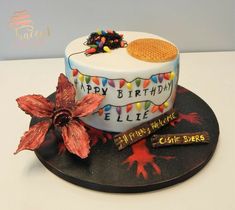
[(135, 91)]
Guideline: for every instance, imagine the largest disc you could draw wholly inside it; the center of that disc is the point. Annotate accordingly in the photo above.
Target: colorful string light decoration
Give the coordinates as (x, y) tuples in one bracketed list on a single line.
[(104, 41), (144, 105), (121, 83)]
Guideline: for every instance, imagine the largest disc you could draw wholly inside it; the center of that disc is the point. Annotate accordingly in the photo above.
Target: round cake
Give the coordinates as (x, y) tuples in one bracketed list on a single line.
[(138, 79)]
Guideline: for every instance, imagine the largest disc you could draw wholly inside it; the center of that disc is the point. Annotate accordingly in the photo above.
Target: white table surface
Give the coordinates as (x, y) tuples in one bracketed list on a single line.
[(25, 184)]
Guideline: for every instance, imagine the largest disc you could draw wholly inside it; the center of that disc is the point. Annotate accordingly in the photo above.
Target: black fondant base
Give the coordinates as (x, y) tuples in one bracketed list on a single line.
[(138, 168)]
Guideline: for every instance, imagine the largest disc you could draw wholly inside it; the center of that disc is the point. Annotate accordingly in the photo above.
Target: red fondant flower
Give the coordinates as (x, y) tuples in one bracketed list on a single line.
[(61, 114)]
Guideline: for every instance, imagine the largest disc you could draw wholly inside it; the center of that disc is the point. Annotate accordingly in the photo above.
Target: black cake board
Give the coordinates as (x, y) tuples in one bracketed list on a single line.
[(107, 169)]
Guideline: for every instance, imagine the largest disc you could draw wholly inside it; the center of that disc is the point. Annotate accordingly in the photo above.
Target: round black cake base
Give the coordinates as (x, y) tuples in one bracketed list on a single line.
[(138, 168)]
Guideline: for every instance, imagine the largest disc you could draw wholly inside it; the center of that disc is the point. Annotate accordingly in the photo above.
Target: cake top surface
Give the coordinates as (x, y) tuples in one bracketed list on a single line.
[(118, 60)]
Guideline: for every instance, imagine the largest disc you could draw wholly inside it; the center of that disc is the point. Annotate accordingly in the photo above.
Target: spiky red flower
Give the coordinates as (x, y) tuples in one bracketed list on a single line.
[(61, 114)]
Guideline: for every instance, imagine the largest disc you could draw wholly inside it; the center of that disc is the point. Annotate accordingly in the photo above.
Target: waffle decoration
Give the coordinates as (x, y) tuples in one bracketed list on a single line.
[(152, 50)]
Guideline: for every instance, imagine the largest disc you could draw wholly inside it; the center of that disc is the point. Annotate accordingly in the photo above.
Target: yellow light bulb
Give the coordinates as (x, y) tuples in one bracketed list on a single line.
[(81, 77), (138, 106), (129, 86)]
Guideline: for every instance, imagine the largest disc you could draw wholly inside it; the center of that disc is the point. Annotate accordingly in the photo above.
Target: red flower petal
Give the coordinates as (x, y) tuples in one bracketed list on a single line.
[(65, 93), (33, 138), (76, 139), (36, 105), (87, 105)]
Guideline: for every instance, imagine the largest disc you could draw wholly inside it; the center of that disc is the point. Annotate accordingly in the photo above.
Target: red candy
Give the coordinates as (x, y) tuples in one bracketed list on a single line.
[(97, 38), (103, 39), (122, 44), (110, 31), (90, 51)]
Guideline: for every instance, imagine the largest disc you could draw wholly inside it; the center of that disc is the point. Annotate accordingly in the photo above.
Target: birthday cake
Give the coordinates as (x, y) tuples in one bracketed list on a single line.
[(138, 79), (121, 82)]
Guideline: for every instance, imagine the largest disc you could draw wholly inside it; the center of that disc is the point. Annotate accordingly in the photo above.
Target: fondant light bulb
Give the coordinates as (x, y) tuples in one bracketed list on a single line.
[(122, 44), (103, 39), (100, 112), (161, 108), (154, 108), (160, 77), (95, 80), (103, 32), (101, 44), (111, 83), (110, 31), (137, 82), (167, 76), (147, 105), (104, 81), (129, 86), (146, 83), (138, 106), (154, 78), (107, 108), (87, 79), (119, 110), (122, 83), (81, 77), (172, 76), (75, 72), (93, 46), (106, 49), (129, 107), (90, 51), (166, 104)]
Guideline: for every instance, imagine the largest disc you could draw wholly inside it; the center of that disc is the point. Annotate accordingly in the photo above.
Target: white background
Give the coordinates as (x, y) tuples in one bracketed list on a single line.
[(192, 25), (25, 184)]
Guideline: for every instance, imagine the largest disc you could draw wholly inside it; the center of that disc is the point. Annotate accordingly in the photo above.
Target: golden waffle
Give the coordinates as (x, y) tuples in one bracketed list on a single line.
[(152, 50)]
